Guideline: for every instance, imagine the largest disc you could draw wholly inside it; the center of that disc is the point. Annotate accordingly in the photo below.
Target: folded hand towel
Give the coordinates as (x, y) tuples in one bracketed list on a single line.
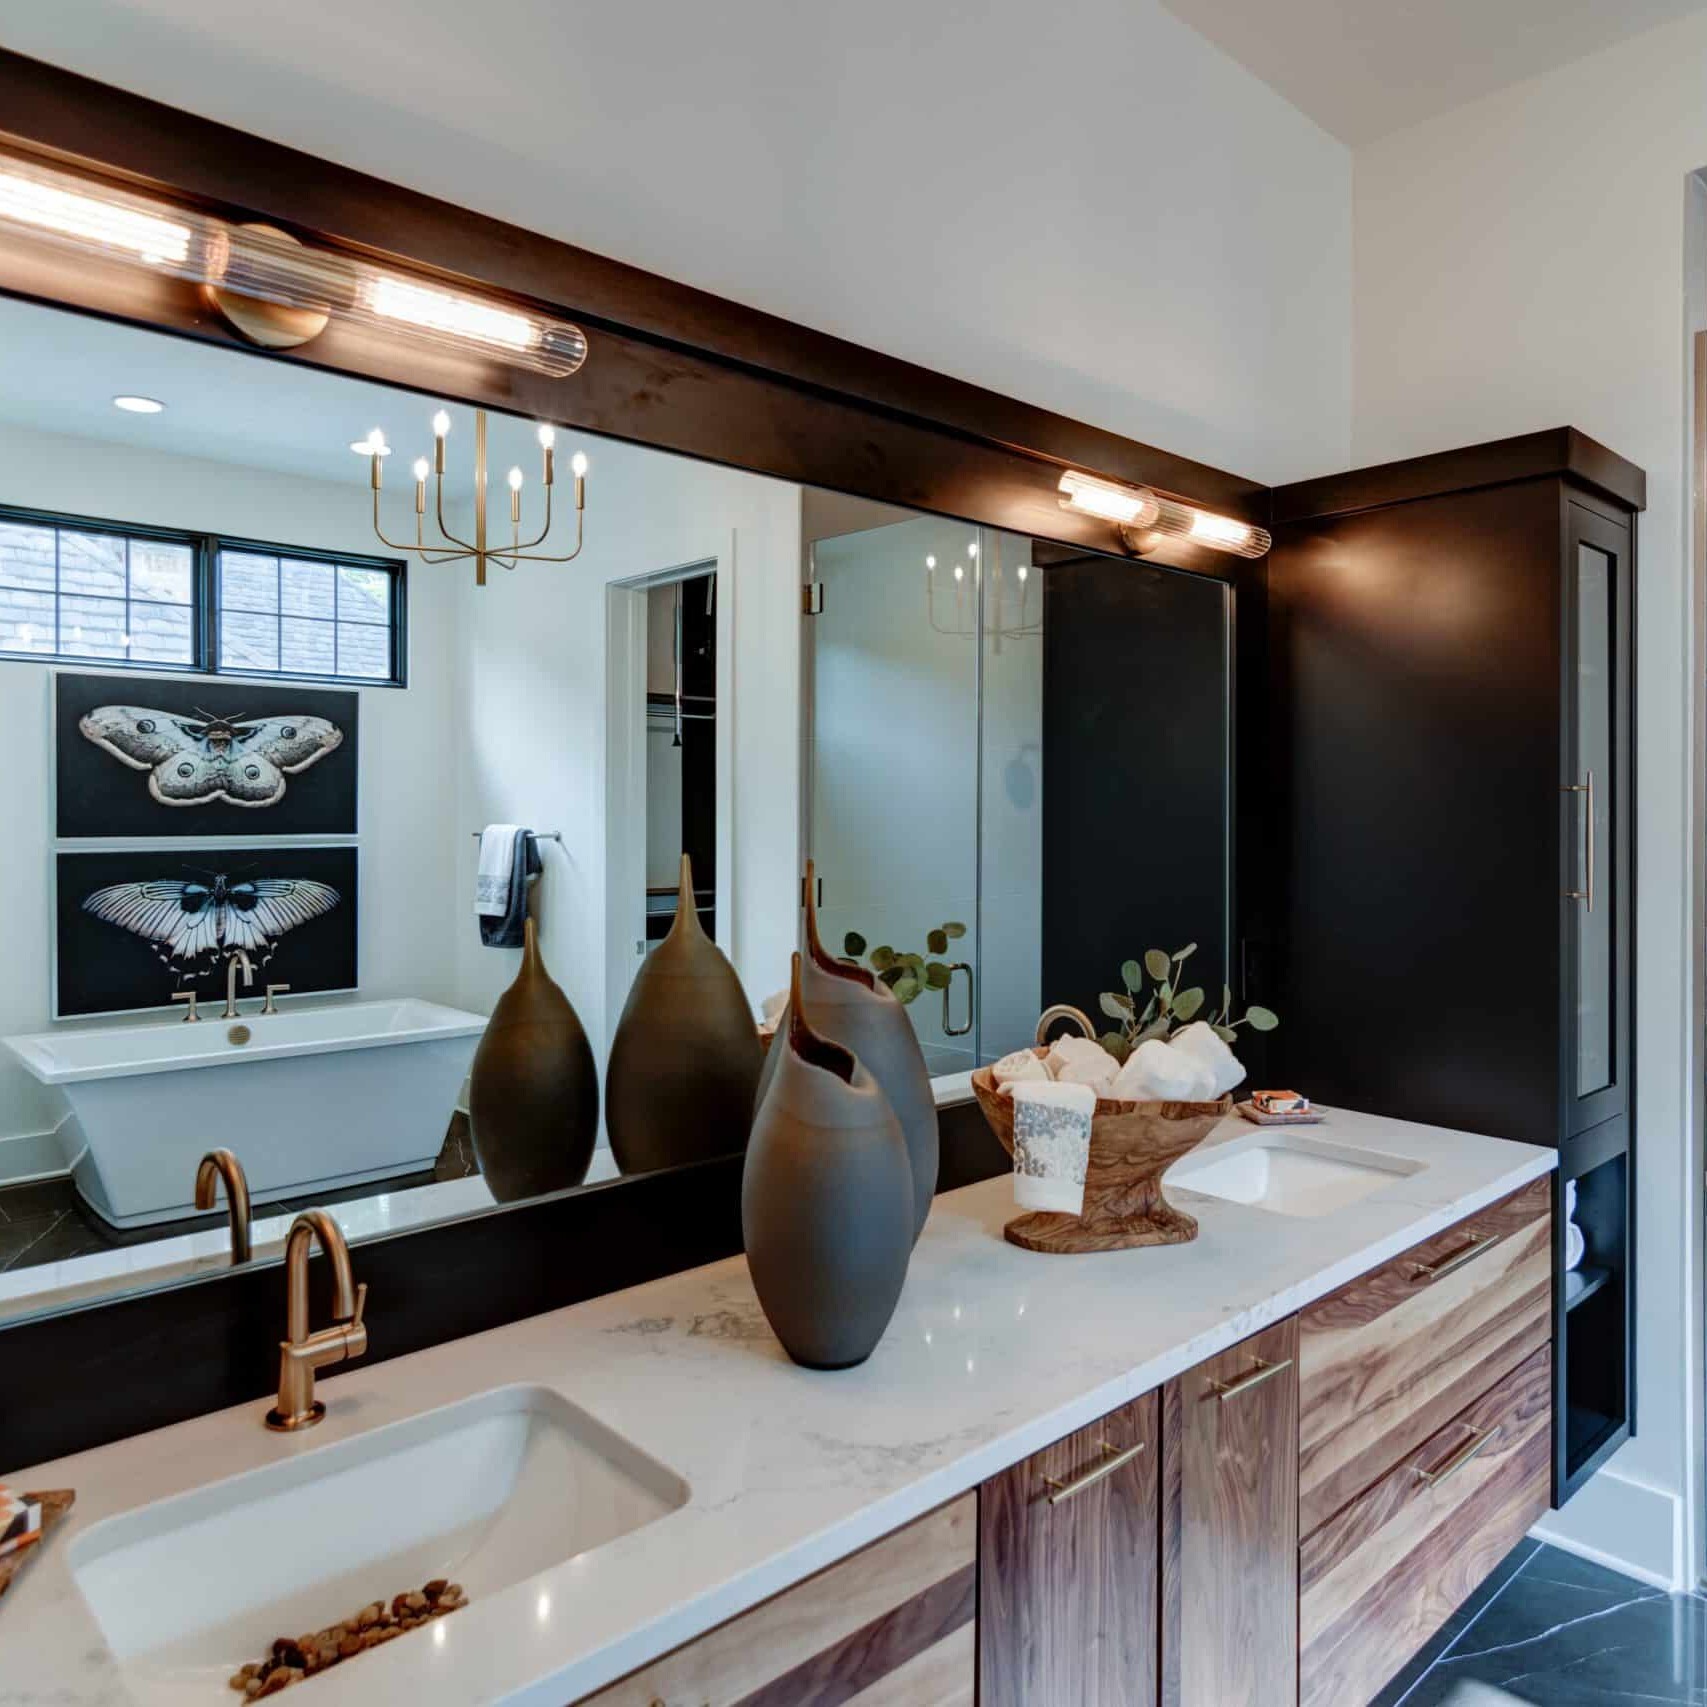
[(1052, 1144), (492, 876), (505, 928)]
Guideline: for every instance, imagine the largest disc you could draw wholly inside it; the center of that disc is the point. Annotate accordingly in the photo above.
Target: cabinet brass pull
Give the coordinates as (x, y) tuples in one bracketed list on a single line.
[(1453, 1260), (1586, 789), (1225, 1390), (1060, 1491), (1479, 1438)]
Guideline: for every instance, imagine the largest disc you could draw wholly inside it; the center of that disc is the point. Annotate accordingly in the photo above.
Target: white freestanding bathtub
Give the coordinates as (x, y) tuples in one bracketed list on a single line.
[(309, 1098)]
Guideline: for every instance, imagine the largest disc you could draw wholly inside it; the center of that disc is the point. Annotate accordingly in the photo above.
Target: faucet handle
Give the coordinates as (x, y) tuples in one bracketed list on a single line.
[(271, 1006), (361, 1304), (187, 996)]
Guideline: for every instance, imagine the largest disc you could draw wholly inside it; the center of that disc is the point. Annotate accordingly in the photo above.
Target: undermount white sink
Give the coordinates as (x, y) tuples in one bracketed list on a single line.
[(1291, 1174), (487, 1492)]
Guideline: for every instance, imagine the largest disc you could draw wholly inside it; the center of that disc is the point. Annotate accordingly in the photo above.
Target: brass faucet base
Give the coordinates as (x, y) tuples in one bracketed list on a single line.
[(279, 1423)]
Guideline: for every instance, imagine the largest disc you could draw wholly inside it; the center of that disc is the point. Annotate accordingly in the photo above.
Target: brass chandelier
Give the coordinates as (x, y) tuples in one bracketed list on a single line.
[(486, 547)]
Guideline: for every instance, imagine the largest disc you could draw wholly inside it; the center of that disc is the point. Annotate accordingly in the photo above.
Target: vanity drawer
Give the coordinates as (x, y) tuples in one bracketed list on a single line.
[(1377, 1580), (892, 1626), (1390, 1357)]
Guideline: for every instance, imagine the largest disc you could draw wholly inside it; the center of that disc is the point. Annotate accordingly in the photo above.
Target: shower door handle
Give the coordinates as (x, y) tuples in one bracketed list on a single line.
[(949, 1028)]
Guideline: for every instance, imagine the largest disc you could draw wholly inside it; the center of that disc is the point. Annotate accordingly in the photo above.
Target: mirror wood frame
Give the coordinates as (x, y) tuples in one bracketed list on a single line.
[(670, 367)]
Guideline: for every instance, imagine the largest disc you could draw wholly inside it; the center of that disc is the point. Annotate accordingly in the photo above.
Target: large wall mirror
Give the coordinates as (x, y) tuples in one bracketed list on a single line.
[(251, 744)]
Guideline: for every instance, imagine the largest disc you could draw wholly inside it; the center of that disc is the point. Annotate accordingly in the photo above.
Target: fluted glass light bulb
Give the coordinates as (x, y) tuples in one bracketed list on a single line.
[(1130, 506)]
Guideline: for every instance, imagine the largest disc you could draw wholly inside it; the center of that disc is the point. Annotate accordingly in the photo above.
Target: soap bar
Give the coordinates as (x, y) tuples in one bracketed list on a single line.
[(20, 1521), (1280, 1102)]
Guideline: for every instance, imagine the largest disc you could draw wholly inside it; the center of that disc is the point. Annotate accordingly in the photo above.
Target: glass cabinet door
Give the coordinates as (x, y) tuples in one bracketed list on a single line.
[(1595, 791)]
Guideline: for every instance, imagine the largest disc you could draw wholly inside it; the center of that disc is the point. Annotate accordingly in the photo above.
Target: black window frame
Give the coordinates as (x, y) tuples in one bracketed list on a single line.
[(205, 548)]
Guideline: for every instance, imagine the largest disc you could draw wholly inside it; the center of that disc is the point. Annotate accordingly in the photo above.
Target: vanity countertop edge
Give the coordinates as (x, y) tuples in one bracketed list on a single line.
[(994, 1352)]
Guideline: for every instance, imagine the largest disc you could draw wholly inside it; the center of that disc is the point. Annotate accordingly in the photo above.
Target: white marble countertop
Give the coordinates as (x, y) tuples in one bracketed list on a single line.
[(993, 1353)]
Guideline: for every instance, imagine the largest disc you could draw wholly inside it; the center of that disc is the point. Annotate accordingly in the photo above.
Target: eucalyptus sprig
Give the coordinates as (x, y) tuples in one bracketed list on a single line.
[(1169, 1005), (907, 975)]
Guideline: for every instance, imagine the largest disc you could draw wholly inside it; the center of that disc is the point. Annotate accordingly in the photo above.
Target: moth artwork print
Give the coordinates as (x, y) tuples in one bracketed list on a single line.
[(202, 759), (136, 926), (191, 761)]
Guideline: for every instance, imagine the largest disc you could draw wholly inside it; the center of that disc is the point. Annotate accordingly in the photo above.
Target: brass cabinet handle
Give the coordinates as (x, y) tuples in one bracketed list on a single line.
[(1454, 1260), (1060, 1492), (1479, 1438), (1586, 789), (1225, 1390)]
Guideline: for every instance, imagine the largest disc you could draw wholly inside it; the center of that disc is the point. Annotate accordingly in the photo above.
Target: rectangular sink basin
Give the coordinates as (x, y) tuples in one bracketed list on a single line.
[(487, 1492), (1291, 1175)]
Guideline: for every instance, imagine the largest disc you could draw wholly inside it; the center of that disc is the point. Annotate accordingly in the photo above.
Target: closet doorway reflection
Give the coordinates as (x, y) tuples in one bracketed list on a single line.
[(923, 661)]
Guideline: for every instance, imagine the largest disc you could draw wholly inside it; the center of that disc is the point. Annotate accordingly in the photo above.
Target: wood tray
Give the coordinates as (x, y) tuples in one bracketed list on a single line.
[(1132, 1145), (54, 1505)]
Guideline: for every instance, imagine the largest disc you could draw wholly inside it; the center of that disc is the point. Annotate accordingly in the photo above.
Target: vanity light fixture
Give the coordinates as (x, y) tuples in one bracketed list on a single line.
[(133, 405), (483, 550), (1141, 514), (275, 290)]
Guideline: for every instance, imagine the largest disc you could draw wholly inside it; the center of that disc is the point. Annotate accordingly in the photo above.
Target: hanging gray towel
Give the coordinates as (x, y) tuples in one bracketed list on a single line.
[(505, 930)]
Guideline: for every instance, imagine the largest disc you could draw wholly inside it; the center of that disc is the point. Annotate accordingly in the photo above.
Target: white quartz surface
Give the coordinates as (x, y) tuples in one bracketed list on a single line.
[(993, 1353)]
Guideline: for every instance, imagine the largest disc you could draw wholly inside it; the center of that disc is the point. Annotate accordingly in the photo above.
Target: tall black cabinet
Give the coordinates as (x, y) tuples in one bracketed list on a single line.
[(1451, 669)]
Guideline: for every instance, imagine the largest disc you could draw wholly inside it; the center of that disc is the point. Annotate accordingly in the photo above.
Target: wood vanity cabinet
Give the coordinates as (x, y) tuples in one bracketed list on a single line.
[(1229, 1532)]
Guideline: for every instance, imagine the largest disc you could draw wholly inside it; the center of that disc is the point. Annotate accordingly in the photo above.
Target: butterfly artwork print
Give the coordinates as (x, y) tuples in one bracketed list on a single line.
[(203, 759), (192, 923)]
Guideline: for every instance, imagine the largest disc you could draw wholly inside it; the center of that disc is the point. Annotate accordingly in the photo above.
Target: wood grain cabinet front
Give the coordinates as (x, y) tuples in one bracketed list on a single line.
[(1230, 1527), (892, 1626), (1068, 1595)]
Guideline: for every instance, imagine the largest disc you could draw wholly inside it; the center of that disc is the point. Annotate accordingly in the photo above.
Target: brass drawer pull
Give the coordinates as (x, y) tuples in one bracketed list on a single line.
[(1454, 1260), (1060, 1492), (1225, 1390), (1479, 1437)]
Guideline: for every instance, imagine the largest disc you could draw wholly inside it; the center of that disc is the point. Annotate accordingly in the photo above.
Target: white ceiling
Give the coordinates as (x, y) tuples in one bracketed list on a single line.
[(59, 373), (1364, 68)]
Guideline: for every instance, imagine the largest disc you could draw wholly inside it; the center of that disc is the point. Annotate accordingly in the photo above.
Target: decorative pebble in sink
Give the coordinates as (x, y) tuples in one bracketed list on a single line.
[(292, 1658)]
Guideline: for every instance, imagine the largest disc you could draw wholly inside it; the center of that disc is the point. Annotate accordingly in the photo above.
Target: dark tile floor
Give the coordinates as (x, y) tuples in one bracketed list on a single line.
[(1552, 1629), (45, 1222)]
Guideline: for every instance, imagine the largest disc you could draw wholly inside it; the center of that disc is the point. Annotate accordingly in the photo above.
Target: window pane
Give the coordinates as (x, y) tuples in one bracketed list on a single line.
[(26, 556), (92, 628), (247, 582), (308, 588), (26, 621), (160, 570), (92, 563), (160, 633), (364, 595), (363, 651), (307, 647), (248, 642)]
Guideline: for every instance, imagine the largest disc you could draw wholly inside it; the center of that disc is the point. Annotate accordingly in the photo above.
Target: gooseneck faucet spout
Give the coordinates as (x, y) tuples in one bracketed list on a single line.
[(237, 959), (219, 1165), (300, 1352)]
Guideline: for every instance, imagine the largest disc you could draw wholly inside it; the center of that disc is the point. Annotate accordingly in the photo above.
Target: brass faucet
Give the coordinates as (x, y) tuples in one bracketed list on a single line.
[(300, 1352), (238, 957), (215, 1166)]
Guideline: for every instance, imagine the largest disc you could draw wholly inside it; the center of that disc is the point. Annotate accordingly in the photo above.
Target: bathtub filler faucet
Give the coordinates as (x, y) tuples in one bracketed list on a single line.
[(219, 1165), (238, 957), (300, 1352)]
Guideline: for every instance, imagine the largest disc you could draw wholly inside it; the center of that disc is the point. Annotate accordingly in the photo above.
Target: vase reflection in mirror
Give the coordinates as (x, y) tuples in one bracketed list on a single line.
[(533, 1090), (826, 1199), (852, 1006), (684, 1066)]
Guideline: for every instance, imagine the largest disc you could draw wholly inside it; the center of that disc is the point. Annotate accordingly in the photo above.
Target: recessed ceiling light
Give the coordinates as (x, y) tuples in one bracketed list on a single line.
[(139, 405)]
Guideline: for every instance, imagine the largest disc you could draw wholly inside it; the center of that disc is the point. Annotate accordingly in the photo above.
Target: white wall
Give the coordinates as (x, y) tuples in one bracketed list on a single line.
[(408, 868), (1084, 205), (1520, 263)]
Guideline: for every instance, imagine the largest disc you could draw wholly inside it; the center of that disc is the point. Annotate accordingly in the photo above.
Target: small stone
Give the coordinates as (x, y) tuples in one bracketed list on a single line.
[(454, 1590), (371, 1638), (436, 1587), (349, 1643), (415, 1601), (399, 1604), (369, 1615), (238, 1679), (252, 1688)]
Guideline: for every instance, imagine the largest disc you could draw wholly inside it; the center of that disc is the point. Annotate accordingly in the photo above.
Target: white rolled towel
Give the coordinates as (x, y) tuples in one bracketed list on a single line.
[(1021, 1067), (1200, 1041), (1082, 1061), (1157, 1072)]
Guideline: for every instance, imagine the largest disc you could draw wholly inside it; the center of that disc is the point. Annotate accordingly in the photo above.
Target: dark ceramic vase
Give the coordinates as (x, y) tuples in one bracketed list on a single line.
[(855, 1008), (684, 1066), (826, 1200), (533, 1091)]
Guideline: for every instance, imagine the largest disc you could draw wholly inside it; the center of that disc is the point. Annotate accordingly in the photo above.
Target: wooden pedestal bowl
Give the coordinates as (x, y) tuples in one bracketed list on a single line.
[(1132, 1145)]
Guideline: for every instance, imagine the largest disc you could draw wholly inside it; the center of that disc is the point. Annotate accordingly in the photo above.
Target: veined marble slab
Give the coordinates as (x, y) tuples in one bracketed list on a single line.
[(993, 1353)]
